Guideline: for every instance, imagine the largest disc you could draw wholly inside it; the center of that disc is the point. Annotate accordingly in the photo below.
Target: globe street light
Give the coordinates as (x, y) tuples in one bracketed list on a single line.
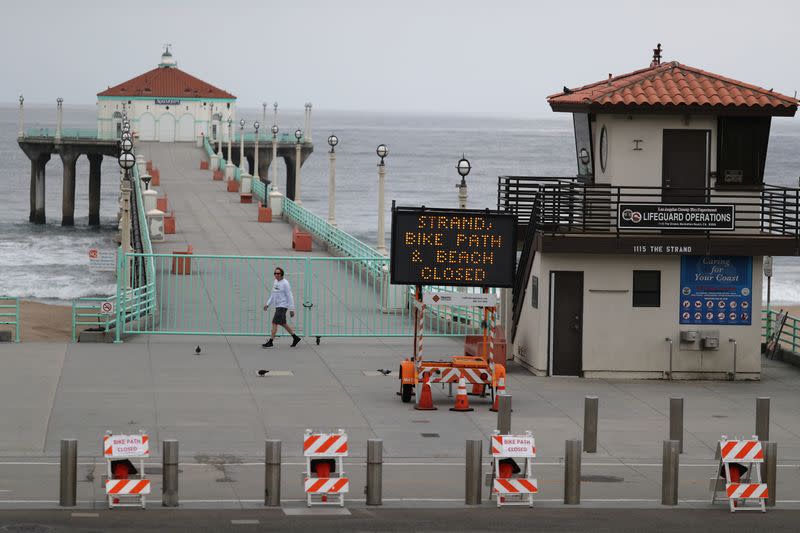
[(126, 161), (463, 168), (298, 134), (274, 155), (241, 144), (333, 140), (126, 145), (382, 152), (255, 158), (21, 132), (60, 102)]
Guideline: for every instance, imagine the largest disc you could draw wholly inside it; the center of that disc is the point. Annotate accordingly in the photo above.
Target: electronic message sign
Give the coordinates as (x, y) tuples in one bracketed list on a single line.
[(461, 247)]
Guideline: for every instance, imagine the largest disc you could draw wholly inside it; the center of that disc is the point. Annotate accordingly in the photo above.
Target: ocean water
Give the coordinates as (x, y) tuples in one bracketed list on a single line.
[(50, 263)]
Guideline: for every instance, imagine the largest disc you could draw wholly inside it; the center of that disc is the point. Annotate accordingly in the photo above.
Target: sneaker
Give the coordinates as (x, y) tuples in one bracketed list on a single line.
[(267, 344), (296, 340)]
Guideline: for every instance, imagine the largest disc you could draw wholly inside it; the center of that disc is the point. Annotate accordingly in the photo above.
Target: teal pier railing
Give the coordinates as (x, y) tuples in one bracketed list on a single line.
[(9, 314), (135, 297), (69, 134), (790, 334)]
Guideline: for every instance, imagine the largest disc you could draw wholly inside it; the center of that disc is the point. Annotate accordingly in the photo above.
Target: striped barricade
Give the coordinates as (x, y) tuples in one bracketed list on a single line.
[(127, 486), (740, 469), (324, 480), (512, 485), (122, 490)]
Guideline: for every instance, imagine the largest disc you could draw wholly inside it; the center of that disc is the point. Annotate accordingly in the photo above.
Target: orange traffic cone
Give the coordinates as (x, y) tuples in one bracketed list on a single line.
[(462, 401), (501, 389), (425, 400)]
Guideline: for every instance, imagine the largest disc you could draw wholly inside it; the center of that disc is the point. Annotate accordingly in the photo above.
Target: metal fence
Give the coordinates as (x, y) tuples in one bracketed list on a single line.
[(790, 334), (9, 314), (225, 295)]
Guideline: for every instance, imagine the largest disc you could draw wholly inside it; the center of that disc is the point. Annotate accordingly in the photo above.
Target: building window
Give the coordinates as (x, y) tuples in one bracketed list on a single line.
[(647, 288)]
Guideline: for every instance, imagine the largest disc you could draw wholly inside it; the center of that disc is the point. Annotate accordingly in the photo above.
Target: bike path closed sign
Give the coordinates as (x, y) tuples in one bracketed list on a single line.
[(462, 247)]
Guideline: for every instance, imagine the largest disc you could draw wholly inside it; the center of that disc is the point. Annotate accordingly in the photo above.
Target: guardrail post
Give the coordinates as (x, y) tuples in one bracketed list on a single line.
[(272, 473), (762, 418), (676, 421), (590, 408), (572, 472), (374, 472), (504, 414), (69, 473), (472, 492), (771, 467), (169, 485), (669, 473)]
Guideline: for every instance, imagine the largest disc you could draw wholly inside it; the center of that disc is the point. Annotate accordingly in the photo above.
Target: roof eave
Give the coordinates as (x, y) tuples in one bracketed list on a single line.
[(575, 107)]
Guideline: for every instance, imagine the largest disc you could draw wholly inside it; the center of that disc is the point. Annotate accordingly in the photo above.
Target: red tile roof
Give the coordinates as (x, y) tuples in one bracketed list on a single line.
[(166, 82), (673, 86)]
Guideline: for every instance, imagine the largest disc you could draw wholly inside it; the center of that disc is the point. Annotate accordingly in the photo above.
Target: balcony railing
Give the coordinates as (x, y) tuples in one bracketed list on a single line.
[(569, 206)]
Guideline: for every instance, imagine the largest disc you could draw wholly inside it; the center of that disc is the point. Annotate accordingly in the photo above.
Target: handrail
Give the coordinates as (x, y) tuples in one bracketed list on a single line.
[(790, 335), (10, 318), (524, 267), (571, 206)]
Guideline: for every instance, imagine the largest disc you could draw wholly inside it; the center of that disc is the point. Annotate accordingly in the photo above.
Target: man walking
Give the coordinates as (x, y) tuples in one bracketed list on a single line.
[(282, 299)]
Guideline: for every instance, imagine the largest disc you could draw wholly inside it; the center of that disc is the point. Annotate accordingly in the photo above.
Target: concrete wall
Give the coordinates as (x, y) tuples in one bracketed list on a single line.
[(627, 166), (623, 341), (198, 119)]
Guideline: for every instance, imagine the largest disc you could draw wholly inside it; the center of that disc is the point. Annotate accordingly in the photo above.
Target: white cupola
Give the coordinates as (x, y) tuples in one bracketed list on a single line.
[(167, 61)]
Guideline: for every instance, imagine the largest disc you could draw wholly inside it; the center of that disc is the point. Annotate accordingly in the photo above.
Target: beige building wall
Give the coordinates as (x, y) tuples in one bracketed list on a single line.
[(629, 167), (623, 341)]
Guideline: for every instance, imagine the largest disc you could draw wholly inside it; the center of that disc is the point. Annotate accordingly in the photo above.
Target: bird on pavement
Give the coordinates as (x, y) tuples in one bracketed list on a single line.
[(262, 373), (384, 371), (197, 350)]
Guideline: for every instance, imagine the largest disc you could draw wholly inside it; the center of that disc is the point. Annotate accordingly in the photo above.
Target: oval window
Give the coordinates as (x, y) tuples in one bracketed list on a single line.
[(603, 148)]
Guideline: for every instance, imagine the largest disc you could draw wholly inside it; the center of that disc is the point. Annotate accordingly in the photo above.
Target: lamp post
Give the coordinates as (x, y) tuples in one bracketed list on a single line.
[(21, 132), (255, 158), (333, 140), (274, 155), (298, 134), (463, 168), (275, 113), (264, 112), (229, 165), (60, 102), (241, 145), (126, 161), (382, 152)]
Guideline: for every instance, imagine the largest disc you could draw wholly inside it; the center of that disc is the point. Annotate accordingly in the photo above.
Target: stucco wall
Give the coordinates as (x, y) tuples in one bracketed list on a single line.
[(625, 341)]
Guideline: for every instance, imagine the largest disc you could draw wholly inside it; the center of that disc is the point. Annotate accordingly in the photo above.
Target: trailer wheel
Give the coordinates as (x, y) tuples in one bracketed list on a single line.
[(405, 394)]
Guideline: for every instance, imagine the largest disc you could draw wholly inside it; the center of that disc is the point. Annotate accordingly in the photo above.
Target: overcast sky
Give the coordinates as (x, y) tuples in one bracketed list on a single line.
[(464, 56)]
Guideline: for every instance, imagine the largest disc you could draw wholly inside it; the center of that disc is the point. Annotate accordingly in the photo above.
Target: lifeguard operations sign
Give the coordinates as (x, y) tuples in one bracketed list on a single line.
[(462, 247)]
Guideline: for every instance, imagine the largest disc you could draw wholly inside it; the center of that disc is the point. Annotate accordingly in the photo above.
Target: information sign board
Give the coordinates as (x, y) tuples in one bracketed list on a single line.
[(716, 290), (486, 299), (706, 217), (461, 247), (102, 261), (513, 446), (127, 446)]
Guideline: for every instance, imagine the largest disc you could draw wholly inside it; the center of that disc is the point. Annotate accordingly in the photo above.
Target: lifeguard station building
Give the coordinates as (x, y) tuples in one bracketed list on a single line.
[(648, 262), (165, 104)]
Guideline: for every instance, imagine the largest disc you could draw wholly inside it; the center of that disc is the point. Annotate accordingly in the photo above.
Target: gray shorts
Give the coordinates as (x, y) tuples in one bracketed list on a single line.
[(280, 316)]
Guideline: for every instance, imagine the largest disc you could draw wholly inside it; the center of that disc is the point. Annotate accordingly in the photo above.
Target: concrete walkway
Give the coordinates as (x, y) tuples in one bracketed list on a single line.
[(215, 404)]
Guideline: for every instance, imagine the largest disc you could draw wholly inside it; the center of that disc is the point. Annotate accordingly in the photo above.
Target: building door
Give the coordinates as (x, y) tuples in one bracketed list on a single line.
[(566, 319), (186, 128), (166, 128), (147, 127), (684, 171)]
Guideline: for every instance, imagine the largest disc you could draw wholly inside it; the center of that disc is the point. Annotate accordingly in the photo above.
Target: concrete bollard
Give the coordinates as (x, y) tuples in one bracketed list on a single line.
[(272, 473), (669, 472), (590, 410), (504, 414), (472, 485), (169, 483), (69, 473), (374, 472), (572, 472), (676, 421), (771, 471), (762, 418)]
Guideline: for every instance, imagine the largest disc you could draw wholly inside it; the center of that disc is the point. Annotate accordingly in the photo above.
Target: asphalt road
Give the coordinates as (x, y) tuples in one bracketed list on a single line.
[(363, 519)]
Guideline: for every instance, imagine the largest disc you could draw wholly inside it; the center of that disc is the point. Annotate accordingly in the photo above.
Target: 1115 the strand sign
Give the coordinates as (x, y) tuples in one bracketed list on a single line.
[(452, 247)]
